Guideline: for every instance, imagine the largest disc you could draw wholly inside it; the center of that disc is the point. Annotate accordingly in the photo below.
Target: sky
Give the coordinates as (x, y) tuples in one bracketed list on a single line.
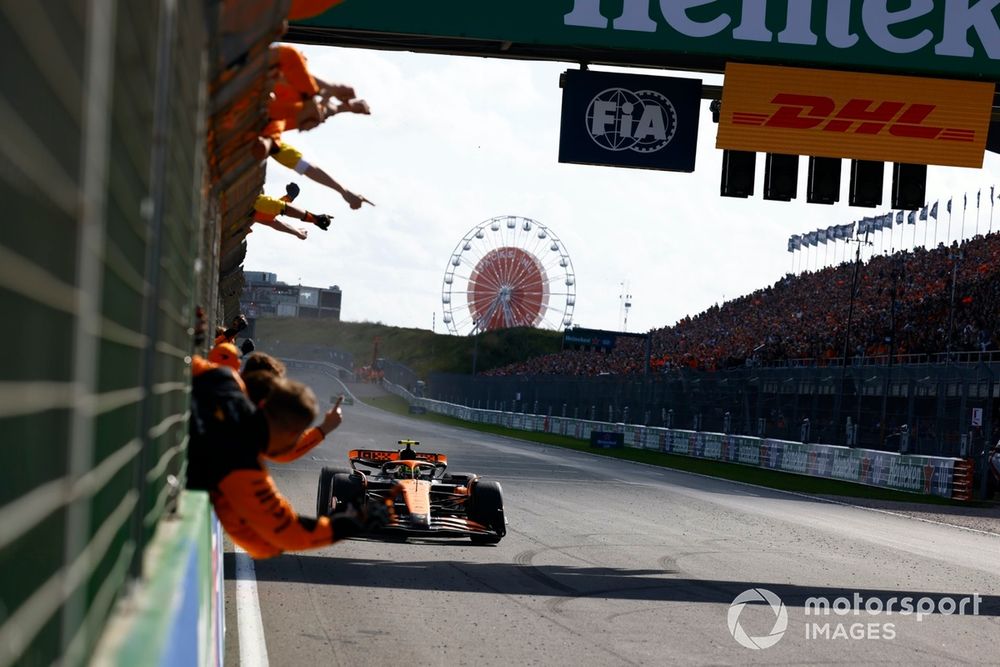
[(453, 141)]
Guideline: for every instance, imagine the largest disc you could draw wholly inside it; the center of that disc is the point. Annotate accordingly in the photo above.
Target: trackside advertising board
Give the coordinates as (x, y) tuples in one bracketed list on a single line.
[(930, 37), (627, 120), (877, 117)]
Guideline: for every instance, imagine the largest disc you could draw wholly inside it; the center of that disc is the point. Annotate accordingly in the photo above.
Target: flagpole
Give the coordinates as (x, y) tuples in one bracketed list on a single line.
[(927, 223), (962, 237), (991, 213), (978, 197), (935, 231), (947, 241)]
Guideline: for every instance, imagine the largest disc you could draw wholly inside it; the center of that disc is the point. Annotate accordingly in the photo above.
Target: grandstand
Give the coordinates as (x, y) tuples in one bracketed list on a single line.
[(914, 306)]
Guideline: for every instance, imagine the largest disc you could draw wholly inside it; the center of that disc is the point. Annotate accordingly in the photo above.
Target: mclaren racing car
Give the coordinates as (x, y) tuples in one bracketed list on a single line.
[(428, 501)]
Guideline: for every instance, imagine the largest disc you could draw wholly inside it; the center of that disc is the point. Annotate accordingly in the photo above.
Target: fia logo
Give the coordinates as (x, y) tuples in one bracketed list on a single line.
[(643, 121)]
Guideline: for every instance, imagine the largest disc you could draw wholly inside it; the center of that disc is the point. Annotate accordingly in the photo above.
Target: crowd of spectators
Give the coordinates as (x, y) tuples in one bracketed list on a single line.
[(905, 304)]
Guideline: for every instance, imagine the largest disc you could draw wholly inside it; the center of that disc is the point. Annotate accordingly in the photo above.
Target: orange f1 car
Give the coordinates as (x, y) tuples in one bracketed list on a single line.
[(428, 501)]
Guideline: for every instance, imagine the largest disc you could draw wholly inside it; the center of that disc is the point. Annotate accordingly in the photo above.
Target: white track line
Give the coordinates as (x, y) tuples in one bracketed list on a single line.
[(253, 648)]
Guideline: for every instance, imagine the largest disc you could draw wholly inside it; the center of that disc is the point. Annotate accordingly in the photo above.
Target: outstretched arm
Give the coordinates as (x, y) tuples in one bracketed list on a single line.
[(283, 226), (251, 495), (353, 200), (349, 106), (328, 89), (312, 437)]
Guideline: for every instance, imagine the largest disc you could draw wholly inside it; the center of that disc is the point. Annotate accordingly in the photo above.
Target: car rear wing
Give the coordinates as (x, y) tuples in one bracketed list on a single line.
[(380, 456)]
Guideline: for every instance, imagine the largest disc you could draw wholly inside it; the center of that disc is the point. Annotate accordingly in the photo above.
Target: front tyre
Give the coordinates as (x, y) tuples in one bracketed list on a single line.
[(324, 491), (486, 508), (347, 488)]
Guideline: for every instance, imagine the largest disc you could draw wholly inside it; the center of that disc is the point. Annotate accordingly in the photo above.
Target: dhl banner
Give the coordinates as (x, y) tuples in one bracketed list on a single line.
[(877, 117)]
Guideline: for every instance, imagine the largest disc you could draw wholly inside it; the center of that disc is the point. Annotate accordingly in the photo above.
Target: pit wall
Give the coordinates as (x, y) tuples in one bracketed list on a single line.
[(174, 617)]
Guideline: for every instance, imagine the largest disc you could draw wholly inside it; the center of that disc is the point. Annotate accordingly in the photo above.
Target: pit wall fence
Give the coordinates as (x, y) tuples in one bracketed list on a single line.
[(129, 183)]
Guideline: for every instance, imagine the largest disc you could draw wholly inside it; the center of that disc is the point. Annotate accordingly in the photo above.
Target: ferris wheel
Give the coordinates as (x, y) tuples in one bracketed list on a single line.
[(508, 271)]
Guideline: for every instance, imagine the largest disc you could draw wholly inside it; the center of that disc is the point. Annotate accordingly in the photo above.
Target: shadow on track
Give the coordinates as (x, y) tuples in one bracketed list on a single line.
[(557, 580)]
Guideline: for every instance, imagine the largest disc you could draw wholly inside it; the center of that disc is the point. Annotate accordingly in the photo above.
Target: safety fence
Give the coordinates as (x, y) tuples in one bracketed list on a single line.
[(102, 104), (128, 185), (948, 410), (927, 475)]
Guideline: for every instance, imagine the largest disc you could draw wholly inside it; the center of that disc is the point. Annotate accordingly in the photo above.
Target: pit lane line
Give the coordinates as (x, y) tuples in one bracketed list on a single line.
[(253, 647)]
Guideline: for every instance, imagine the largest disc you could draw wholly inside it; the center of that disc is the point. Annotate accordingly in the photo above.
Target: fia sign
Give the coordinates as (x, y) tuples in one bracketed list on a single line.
[(624, 120)]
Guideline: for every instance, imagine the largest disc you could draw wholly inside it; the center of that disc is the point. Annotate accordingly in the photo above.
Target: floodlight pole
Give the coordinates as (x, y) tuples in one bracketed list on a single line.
[(898, 267), (847, 333), (955, 257)]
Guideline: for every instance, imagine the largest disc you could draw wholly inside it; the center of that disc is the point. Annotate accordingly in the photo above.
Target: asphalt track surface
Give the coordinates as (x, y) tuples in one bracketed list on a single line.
[(613, 563)]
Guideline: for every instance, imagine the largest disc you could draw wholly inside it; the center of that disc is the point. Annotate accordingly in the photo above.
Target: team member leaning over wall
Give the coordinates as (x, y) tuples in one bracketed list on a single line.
[(267, 209), (256, 380), (258, 369), (301, 101), (230, 437)]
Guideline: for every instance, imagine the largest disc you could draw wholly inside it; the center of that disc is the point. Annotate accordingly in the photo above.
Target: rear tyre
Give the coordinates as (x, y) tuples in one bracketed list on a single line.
[(486, 507), (324, 491)]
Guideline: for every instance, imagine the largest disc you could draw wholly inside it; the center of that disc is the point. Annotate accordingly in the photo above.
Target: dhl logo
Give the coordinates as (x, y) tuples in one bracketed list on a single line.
[(858, 116), (854, 115)]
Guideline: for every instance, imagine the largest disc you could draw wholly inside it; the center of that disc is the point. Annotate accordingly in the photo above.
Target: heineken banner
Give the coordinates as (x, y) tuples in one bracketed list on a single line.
[(955, 38)]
